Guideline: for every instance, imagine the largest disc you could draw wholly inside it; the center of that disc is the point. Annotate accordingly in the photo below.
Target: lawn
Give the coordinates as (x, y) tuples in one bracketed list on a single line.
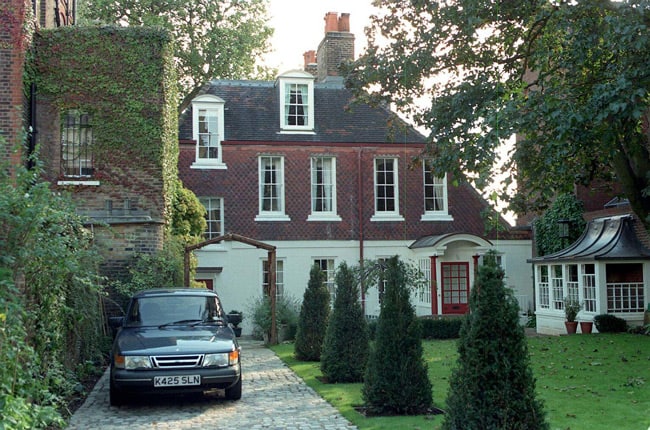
[(595, 382)]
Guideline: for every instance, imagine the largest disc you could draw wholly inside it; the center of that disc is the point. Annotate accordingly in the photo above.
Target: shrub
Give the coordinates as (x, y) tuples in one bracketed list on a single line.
[(606, 323), (492, 386), (443, 328), (396, 380), (345, 348), (312, 321), (286, 313)]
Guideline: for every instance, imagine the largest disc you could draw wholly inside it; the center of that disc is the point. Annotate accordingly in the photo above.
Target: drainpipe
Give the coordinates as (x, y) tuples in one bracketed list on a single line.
[(360, 213)]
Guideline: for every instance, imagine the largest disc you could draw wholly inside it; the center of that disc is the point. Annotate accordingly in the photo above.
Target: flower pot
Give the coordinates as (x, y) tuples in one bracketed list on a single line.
[(571, 326), (586, 326), (235, 318)]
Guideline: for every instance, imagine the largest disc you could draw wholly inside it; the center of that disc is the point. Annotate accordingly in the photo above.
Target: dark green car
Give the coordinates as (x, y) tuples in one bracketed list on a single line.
[(174, 341)]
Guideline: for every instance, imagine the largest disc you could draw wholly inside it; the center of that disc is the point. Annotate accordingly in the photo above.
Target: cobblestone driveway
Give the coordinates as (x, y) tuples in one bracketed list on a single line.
[(273, 397)]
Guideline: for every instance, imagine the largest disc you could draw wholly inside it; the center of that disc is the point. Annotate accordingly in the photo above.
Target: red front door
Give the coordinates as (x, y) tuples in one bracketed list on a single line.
[(209, 283), (455, 288)]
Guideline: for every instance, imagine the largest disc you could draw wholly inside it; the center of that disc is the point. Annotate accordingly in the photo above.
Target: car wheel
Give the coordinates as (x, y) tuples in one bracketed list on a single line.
[(116, 396), (234, 392)]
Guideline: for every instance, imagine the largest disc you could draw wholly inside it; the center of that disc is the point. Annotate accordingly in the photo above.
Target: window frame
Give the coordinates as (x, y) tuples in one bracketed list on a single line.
[(280, 213), (322, 215), (279, 277), (82, 136), (286, 81), (427, 178), (328, 267), (216, 106), (386, 215), (211, 203)]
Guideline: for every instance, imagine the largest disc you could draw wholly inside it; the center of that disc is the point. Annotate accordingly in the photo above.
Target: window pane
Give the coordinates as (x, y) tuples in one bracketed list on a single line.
[(213, 216), (271, 183), (385, 185), (296, 104), (76, 144)]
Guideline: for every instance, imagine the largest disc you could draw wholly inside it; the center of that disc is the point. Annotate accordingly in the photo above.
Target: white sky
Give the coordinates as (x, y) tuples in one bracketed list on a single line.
[(300, 26)]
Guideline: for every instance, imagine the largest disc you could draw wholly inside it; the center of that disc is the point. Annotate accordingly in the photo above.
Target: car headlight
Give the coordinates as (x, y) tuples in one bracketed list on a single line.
[(131, 362), (222, 359)]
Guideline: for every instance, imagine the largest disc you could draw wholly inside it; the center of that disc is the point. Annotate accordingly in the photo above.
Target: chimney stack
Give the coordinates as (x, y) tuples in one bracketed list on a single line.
[(336, 47), (310, 62)]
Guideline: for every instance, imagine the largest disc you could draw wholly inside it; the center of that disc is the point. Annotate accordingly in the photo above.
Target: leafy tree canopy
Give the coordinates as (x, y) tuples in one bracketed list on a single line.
[(568, 77), (214, 38)]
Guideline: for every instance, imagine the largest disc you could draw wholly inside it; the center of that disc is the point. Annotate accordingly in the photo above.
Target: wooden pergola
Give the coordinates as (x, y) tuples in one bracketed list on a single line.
[(256, 243)]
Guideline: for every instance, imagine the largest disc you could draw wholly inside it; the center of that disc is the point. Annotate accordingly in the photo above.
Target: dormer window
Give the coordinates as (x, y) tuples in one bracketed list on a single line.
[(296, 102), (207, 131)]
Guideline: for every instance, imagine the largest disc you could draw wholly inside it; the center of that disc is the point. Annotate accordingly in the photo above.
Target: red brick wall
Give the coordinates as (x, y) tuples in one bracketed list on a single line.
[(13, 43), (238, 185)]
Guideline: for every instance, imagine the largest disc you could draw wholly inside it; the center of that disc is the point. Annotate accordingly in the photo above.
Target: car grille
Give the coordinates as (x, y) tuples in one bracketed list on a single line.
[(177, 361)]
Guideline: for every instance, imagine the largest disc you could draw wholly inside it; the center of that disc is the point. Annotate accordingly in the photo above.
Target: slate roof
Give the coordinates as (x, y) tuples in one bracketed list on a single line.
[(252, 113), (607, 238)]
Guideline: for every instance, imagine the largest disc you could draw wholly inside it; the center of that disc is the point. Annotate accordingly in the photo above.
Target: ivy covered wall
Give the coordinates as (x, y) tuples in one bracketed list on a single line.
[(124, 79)]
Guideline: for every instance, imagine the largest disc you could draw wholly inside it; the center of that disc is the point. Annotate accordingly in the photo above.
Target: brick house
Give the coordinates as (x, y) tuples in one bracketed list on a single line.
[(295, 164), (122, 192)]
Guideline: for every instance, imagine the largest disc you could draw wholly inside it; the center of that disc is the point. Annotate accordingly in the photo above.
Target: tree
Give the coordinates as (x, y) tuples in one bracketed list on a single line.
[(188, 216), (492, 386), (569, 78), (313, 317), (345, 348), (396, 379), (214, 38)]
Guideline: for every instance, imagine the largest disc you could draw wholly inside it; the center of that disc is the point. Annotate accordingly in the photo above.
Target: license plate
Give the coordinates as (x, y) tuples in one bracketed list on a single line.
[(176, 381)]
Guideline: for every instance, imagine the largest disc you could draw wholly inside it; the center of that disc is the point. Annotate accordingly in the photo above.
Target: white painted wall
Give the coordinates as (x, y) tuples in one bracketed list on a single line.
[(240, 280)]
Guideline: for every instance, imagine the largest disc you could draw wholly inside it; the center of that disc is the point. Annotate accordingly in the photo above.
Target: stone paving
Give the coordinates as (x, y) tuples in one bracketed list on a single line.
[(273, 397)]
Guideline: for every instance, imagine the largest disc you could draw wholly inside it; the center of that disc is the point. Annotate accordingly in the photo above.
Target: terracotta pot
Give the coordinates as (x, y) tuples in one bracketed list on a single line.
[(571, 326), (586, 326)]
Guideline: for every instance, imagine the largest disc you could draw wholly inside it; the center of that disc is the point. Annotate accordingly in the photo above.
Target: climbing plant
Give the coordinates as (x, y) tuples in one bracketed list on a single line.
[(566, 208)]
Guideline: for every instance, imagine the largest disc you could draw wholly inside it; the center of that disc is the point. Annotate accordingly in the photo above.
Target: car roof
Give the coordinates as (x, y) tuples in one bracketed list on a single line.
[(158, 292)]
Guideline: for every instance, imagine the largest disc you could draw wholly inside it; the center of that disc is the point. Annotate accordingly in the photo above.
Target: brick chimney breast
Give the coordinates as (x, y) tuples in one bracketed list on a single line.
[(336, 47)]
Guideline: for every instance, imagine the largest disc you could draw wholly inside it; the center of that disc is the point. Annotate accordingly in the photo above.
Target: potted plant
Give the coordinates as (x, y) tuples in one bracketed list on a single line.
[(571, 309), (235, 318), (586, 327)]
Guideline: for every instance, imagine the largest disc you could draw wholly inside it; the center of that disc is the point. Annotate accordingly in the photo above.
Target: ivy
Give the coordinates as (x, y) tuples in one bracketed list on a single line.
[(125, 78), (567, 208)]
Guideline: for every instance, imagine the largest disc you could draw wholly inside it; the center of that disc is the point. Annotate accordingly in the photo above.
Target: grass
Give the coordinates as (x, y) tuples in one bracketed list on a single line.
[(595, 382)]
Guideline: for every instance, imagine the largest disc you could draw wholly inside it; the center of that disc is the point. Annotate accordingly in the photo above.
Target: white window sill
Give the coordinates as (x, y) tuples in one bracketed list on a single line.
[(272, 217), (305, 131), (79, 182), (436, 217), (386, 217), (323, 217), (208, 165)]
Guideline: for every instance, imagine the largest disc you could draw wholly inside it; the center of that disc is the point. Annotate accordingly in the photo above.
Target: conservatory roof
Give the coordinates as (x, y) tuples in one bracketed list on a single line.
[(607, 238)]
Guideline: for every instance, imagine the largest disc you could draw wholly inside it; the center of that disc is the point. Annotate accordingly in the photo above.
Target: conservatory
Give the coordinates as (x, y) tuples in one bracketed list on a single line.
[(606, 270)]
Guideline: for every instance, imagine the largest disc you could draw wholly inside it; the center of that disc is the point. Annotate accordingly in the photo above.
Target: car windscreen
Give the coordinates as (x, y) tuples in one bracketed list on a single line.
[(173, 309)]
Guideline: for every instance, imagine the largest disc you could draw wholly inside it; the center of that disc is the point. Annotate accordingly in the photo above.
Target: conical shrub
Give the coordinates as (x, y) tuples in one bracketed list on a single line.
[(492, 386), (345, 349), (396, 379), (313, 318)]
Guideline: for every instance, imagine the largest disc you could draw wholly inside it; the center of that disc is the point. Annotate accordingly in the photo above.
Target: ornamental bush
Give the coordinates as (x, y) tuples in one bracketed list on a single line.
[(492, 386), (443, 328), (345, 348), (606, 323), (312, 320), (396, 380)]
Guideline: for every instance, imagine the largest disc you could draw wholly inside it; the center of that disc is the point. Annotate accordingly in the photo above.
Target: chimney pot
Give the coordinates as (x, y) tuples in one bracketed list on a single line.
[(310, 57), (344, 22), (331, 22)]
